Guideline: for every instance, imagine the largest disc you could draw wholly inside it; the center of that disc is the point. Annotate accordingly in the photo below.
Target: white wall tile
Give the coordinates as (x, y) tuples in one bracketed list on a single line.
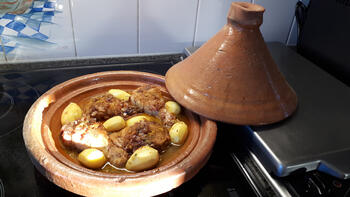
[(277, 19), (211, 18), (293, 35), (166, 25), (105, 27), (59, 43)]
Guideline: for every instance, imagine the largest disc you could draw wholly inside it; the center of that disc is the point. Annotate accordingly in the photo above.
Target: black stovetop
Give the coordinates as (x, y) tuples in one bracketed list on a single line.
[(230, 171), (219, 177)]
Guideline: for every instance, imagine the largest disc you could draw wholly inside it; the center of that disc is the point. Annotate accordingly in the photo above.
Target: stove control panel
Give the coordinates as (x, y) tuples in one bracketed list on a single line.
[(316, 184)]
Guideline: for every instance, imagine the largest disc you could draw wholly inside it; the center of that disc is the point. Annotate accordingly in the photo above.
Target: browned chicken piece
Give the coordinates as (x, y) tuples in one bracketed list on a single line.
[(106, 106), (148, 99), (141, 134), (103, 107), (116, 156), (167, 118), (128, 109), (82, 134)]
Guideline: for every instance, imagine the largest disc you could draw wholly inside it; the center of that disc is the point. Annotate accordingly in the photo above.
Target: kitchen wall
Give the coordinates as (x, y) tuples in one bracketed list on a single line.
[(82, 28)]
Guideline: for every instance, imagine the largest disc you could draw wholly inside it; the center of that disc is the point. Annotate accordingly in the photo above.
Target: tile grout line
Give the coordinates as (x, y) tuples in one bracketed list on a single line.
[(3, 48), (196, 24), (73, 32), (138, 27), (290, 31)]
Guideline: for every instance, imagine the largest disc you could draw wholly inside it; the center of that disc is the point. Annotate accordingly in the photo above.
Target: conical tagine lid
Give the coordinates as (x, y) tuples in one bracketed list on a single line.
[(233, 78)]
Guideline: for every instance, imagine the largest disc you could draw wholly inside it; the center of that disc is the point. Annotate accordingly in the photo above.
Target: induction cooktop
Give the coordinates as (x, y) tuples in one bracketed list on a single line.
[(20, 88)]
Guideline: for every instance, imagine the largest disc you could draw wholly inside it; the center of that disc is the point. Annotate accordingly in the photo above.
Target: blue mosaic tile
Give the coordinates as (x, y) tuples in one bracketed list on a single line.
[(37, 9), (8, 49), (47, 18), (17, 26), (5, 39), (21, 35), (9, 16), (49, 4), (21, 19), (38, 3), (26, 25), (27, 15), (40, 36), (51, 13), (34, 24), (37, 16)]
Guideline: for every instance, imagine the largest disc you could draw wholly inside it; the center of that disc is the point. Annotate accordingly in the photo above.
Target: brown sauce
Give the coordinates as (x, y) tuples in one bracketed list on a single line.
[(165, 156)]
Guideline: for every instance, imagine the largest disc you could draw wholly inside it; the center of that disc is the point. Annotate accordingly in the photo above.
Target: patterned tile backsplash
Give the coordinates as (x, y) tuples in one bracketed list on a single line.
[(44, 31), (25, 25), (56, 29)]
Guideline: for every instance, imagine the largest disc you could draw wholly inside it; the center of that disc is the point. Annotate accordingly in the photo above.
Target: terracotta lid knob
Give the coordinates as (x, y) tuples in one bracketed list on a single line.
[(246, 14)]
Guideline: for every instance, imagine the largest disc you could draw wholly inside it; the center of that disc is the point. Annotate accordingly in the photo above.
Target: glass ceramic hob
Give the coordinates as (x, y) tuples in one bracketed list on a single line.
[(19, 89), (232, 170)]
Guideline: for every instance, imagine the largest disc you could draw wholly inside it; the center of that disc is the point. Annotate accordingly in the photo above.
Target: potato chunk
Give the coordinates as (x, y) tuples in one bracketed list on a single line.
[(71, 113), (119, 94), (114, 124), (178, 133), (92, 158), (173, 107), (137, 119), (143, 158)]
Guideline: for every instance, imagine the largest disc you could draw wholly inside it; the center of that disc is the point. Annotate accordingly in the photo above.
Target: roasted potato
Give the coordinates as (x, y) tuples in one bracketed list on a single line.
[(173, 107), (114, 124), (137, 119), (178, 133), (71, 113), (120, 94), (92, 158), (143, 158)]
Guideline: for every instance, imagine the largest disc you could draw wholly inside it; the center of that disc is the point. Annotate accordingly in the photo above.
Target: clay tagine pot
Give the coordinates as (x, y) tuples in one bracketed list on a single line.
[(42, 129), (232, 77)]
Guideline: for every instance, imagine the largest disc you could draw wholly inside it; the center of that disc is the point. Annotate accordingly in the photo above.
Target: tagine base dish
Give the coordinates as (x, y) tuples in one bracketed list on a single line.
[(41, 140)]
